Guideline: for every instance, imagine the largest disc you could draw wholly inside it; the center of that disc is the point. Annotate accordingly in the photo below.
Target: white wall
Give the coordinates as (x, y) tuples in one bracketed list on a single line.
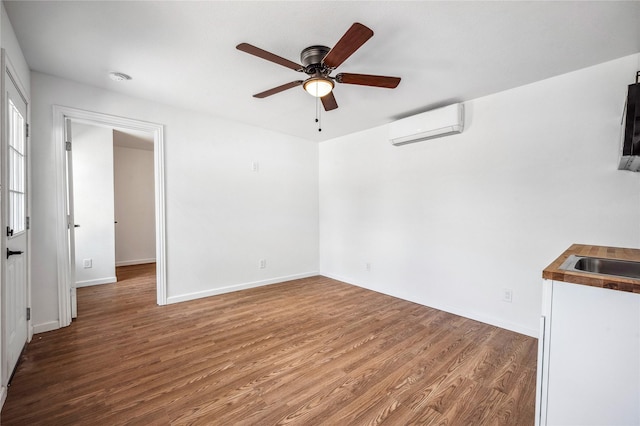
[(222, 217), (451, 222), (93, 204), (134, 205), (14, 52)]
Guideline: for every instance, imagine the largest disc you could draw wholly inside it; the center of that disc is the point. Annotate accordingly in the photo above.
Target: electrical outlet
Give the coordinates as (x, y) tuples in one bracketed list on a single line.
[(255, 166), (507, 295), (87, 263), (262, 264), (367, 267)]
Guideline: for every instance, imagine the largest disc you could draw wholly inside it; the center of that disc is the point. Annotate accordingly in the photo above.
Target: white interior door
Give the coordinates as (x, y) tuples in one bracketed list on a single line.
[(14, 202), (71, 225)]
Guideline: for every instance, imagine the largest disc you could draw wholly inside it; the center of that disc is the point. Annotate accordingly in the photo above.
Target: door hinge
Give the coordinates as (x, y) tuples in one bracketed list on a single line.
[(26, 129), (67, 146), (9, 232), (28, 314), (28, 223)]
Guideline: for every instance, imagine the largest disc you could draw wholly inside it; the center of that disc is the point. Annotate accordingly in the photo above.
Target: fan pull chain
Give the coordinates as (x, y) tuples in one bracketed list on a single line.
[(318, 114)]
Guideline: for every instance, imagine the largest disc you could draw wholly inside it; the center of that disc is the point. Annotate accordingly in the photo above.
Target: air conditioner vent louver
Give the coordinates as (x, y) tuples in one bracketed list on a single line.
[(432, 124)]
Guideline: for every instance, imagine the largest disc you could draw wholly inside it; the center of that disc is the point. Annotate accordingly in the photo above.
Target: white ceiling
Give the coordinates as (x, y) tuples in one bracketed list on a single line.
[(183, 53)]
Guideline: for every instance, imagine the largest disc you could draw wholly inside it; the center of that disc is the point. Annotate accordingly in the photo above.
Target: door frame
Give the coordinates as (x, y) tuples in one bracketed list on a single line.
[(60, 113)]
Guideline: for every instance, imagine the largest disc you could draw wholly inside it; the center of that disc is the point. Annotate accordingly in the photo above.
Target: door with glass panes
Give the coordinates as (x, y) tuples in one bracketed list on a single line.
[(14, 204)]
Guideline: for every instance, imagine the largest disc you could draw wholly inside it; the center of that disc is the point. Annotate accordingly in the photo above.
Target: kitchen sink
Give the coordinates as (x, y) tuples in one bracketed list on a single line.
[(597, 265)]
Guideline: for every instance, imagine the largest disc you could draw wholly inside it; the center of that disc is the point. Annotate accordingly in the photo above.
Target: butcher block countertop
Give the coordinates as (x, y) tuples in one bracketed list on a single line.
[(553, 271)]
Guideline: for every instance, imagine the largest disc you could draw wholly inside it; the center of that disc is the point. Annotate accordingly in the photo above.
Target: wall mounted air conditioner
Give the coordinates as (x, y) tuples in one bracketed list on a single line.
[(432, 124)]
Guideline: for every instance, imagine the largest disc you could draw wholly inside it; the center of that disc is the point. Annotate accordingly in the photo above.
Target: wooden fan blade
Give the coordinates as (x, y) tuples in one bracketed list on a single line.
[(277, 89), (368, 80), (351, 41), (329, 102), (260, 53)]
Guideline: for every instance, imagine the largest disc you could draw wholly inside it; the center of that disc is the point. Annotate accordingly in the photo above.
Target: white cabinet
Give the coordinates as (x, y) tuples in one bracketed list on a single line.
[(588, 356)]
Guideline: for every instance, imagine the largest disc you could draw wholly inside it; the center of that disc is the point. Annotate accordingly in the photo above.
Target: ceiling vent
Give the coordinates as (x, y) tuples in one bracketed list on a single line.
[(432, 124)]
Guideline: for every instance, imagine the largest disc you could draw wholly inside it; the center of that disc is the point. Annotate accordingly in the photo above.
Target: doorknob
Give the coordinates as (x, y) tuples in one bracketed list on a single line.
[(76, 226), (11, 252)]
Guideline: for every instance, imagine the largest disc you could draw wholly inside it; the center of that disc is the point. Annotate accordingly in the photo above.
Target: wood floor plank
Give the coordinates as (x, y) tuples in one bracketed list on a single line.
[(305, 352)]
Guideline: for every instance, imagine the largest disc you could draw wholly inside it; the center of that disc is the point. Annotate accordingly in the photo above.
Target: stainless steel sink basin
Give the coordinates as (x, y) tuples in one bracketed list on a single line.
[(596, 265)]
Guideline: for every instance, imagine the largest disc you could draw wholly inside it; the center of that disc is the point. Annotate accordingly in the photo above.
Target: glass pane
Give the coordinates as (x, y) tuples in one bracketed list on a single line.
[(16, 172)]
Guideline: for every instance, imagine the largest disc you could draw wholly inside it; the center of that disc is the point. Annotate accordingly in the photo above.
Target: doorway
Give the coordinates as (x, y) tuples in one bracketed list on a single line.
[(111, 201), (64, 118), (134, 199)]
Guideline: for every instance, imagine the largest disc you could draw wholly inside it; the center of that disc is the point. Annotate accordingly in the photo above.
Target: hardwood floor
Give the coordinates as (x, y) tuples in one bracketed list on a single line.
[(305, 352)]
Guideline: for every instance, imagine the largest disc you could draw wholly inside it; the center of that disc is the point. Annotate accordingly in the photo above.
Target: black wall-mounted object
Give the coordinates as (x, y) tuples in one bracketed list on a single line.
[(630, 132)]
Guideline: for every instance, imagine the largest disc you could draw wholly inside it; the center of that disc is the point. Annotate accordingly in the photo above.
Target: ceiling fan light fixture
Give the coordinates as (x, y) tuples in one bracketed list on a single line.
[(318, 86)]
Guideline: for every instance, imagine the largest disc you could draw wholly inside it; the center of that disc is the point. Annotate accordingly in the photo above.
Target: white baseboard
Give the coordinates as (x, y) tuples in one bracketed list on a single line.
[(497, 322), (135, 262), (476, 316), (97, 281), (236, 287), (47, 326)]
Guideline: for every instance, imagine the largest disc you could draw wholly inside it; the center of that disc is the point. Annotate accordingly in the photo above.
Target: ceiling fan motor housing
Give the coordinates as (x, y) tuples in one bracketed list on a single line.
[(312, 57)]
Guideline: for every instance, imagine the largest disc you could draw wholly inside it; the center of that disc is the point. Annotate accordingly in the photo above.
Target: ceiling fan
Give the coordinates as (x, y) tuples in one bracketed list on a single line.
[(318, 62)]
